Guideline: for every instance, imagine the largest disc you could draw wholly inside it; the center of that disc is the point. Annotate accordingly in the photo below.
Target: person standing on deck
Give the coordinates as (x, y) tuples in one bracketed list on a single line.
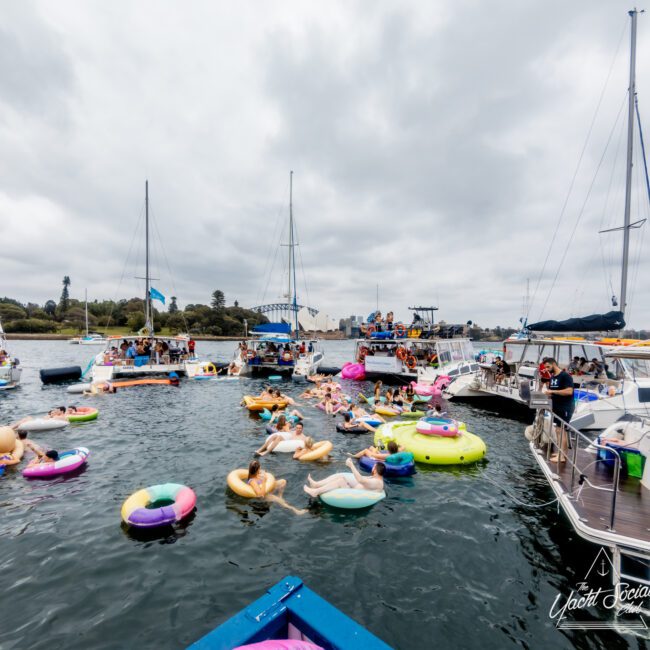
[(560, 389)]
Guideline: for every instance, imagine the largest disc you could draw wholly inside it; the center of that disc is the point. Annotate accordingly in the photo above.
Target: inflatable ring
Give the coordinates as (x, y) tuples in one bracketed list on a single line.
[(68, 461), (237, 483), (400, 330), (136, 510), (369, 330), (411, 362), (401, 353), (43, 424), (83, 414), (356, 429), (289, 446), (350, 499), (404, 469), (319, 450)]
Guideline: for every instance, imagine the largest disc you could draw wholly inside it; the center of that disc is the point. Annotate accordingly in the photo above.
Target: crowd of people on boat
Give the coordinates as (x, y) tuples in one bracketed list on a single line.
[(142, 351), (275, 352)]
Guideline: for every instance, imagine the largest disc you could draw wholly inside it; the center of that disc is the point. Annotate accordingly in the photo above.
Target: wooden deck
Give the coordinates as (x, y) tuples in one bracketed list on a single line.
[(593, 507)]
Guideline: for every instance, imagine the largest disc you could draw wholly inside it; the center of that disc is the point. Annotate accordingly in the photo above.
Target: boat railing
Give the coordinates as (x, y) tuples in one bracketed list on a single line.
[(555, 435)]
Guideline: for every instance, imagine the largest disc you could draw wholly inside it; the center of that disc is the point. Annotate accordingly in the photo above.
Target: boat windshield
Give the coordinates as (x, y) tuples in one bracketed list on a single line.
[(452, 351), (637, 368)]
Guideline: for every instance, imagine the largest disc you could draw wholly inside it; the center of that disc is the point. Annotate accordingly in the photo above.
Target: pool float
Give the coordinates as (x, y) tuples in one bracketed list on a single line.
[(267, 415), (434, 450), (11, 449), (422, 398), (351, 499), (289, 446), (79, 388), (399, 464), (336, 407), (319, 450), (140, 382), (280, 644), (137, 510), (207, 371), (237, 483), (354, 371), (83, 414), (68, 462), (356, 429), (43, 424), (387, 410), (413, 414), (370, 400), (437, 427), (435, 389), (256, 404)]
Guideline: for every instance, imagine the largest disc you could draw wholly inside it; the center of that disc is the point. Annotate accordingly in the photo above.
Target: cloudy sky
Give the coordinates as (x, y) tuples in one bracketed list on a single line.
[(433, 146)]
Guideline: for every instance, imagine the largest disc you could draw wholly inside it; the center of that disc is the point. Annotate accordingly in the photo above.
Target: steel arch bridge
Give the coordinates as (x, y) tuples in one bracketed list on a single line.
[(276, 310)]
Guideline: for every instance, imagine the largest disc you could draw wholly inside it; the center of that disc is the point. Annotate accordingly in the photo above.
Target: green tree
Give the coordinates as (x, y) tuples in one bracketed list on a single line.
[(135, 321), (218, 300), (65, 295), (173, 307), (50, 308)]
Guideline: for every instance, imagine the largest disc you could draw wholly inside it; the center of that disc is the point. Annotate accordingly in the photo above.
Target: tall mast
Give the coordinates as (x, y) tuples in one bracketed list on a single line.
[(630, 145), (291, 296), (147, 303), (86, 299)]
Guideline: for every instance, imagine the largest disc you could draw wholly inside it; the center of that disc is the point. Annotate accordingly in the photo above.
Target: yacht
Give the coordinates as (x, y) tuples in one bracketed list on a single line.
[(90, 338), (421, 352), (10, 369), (159, 355)]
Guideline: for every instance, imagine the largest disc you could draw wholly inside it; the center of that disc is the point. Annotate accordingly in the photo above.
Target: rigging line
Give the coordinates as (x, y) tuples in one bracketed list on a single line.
[(645, 162), (169, 270), (302, 263), (639, 242), (273, 249), (126, 261), (577, 169), (579, 218), (609, 290)]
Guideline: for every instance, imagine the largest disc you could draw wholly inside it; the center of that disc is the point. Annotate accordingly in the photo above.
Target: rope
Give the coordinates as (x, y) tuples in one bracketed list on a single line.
[(575, 173), (517, 499)]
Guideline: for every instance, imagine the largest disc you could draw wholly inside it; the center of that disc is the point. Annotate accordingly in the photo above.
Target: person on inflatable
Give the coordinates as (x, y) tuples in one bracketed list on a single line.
[(436, 412), (377, 454), (30, 444), (374, 482), (309, 446), (50, 456), (359, 412), (283, 433), (58, 413), (257, 481), (349, 423)]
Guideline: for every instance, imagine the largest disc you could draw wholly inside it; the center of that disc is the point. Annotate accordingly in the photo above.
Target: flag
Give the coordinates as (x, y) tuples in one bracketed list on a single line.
[(156, 295)]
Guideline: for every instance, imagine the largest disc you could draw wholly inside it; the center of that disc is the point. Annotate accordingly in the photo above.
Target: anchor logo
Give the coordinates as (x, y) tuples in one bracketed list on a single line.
[(602, 571)]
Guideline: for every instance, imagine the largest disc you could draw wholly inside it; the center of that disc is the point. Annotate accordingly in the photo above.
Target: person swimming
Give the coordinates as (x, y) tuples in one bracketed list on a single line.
[(257, 480)]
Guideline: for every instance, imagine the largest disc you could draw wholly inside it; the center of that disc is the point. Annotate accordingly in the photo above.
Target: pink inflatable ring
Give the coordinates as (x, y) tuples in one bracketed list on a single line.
[(437, 427), (68, 462)]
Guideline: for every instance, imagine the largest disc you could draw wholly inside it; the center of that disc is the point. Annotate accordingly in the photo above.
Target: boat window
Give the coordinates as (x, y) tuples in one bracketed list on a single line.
[(644, 394), (564, 355), (637, 368)]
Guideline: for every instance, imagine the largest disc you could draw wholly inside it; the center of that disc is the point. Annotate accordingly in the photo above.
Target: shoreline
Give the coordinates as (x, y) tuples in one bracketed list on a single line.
[(25, 336)]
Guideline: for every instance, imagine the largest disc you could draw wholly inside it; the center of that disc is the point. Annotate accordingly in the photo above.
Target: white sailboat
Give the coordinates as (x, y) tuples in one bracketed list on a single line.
[(277, 348), (90, 338), (151, 355), (10, 369)]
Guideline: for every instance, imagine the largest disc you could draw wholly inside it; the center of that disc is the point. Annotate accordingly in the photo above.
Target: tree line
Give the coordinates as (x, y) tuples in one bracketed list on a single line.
[(215, 319)]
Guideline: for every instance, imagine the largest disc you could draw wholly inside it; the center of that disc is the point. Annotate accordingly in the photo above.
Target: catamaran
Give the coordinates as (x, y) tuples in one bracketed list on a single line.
[(278, 348), (145, 354), (10, 369)]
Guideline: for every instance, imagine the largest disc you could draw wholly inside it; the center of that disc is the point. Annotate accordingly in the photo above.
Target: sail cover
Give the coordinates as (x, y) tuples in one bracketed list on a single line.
[(273, 328), (608, 322)]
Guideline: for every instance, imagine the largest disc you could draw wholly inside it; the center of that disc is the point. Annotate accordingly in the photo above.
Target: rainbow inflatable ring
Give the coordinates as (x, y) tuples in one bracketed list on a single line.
[(137, 510)]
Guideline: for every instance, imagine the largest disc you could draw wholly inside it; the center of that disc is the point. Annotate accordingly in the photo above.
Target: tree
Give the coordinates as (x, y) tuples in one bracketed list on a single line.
[(236, 303), (65, 295), (173, 307), (136, 321), (50, 308), (218, 300)]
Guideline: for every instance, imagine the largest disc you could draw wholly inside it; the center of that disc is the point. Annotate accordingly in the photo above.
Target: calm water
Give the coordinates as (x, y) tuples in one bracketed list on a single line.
[(447, 560)]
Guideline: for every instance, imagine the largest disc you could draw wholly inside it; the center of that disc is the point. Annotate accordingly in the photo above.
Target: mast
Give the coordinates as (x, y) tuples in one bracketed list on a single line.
[(292, 263), (630, 145), (86, 299), (147, 304)]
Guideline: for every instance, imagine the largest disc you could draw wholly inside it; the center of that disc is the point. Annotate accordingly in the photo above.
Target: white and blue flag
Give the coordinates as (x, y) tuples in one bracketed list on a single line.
[(156, 295)]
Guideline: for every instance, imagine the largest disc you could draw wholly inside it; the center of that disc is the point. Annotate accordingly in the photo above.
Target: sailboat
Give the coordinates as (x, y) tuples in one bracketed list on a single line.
[(612, 385), (10, 369), (145, 354), (277, 348), (90, 338)]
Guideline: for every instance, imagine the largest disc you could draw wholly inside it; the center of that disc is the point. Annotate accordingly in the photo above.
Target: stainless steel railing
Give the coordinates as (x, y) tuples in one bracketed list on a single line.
[(564, 431)]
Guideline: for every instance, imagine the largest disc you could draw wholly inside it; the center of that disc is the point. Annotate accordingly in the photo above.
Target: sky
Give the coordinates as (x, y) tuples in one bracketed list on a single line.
[(434, 147)]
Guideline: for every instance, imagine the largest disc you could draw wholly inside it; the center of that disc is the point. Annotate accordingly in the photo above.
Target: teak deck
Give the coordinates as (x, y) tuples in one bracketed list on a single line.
[(632, 517)]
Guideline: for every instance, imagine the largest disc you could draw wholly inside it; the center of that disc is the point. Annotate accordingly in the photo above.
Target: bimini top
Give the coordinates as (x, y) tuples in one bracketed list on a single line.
[(273, 328), (640, 351), (180, 338)]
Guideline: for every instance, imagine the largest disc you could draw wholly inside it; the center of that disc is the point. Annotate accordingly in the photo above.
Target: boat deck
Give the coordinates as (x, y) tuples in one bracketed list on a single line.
[(590, 508)]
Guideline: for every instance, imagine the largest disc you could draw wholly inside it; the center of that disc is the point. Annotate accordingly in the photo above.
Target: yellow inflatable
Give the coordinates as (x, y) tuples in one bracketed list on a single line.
[(11, 449), (319, 450), (237, 483), (256, 404)]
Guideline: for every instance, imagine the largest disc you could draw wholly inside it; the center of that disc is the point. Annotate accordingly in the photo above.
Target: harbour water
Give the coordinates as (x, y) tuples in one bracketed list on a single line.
[(446, 560)]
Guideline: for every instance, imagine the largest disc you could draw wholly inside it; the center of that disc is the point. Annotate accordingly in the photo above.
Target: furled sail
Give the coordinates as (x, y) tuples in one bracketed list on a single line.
[(609, 322)]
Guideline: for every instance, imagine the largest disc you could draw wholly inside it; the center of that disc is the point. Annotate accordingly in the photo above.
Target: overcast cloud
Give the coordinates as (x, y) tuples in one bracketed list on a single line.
[(433, 144)]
